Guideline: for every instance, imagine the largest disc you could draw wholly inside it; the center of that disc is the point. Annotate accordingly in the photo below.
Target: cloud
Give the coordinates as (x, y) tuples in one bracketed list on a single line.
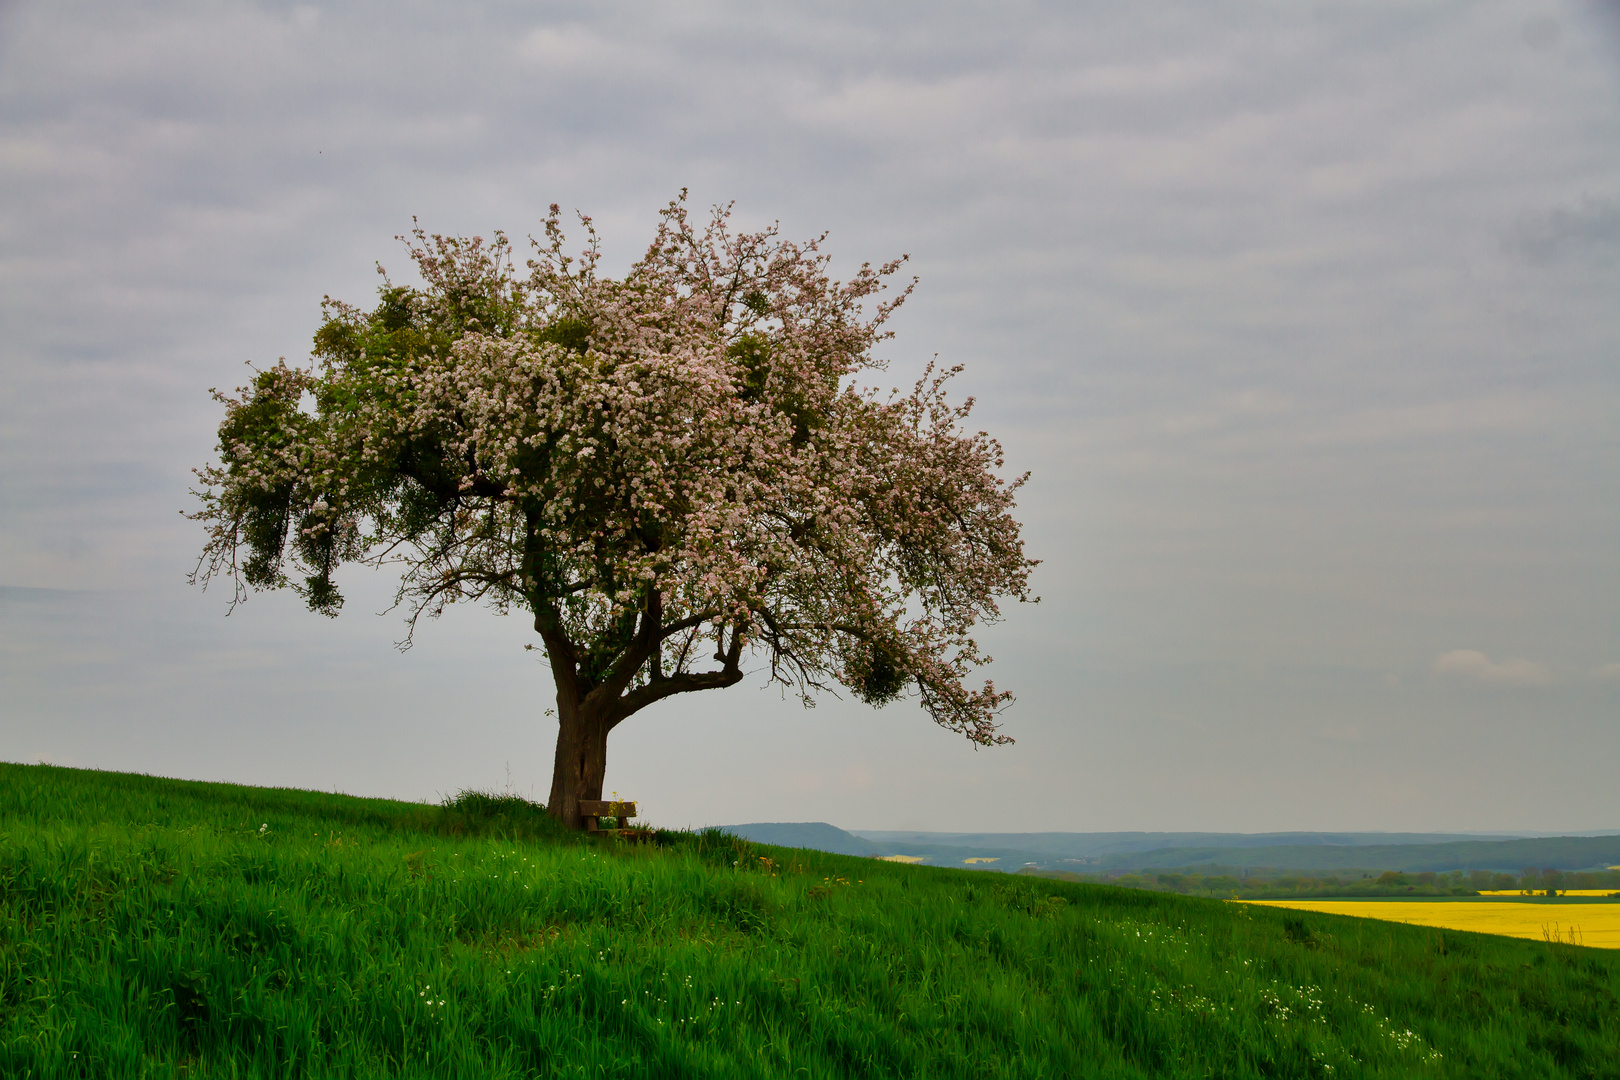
[(1592, 227), (569, 48), (1343, 733), (1302, 317), (1605, 672), (1475, 664)]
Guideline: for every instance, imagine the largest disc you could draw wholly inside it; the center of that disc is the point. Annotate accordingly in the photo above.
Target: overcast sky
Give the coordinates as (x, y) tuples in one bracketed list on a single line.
[(1305, 317)]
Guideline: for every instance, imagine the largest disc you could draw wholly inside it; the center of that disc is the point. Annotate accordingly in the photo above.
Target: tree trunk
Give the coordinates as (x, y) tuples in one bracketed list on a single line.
[(581, 761)]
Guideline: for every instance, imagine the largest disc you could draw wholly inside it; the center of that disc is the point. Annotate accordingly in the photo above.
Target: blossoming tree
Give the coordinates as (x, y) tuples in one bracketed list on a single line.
[(671, 472)]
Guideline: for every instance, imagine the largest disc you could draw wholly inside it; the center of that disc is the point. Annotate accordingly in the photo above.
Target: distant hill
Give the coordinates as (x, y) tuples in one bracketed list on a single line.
[(1102, 852), (816, 835), (820, 836), (1509, 856), (1088, 846)]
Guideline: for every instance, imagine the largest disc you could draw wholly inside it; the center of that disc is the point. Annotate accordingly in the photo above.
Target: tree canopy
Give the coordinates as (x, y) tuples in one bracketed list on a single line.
[(671, 471)]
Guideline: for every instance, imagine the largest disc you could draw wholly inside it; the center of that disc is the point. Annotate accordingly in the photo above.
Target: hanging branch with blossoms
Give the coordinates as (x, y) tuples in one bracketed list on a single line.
[(671, 472)]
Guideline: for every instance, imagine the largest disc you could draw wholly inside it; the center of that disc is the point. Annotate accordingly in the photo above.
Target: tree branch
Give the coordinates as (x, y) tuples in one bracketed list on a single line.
[(559, 650), (684, 683), (635, 655), (674, 628)]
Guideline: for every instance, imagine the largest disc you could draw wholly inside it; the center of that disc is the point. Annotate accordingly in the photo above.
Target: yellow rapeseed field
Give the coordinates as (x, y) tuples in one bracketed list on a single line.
[(1582, 924)]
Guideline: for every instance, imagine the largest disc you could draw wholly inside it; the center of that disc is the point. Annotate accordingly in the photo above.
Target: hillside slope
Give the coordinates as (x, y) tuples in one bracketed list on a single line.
[(162, 928)]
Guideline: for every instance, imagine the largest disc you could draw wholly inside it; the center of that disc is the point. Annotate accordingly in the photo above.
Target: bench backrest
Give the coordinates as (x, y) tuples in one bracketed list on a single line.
[(599, 808)]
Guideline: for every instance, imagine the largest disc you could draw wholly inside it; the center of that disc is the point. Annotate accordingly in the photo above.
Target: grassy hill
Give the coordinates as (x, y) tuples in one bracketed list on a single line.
[(162, 928)]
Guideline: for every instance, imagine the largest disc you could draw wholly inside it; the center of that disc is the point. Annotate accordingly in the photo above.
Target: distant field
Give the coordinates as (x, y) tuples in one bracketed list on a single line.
[(1594, 924)]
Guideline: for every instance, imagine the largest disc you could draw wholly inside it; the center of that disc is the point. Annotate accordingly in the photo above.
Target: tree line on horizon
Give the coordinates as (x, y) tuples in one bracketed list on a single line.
[(1279, 884)]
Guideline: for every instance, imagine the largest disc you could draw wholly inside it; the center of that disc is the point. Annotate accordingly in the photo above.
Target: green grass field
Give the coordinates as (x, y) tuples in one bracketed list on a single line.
[(155, 927)]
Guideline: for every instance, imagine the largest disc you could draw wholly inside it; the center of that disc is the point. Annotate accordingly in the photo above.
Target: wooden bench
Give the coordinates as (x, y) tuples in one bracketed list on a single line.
[(591, 811)]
